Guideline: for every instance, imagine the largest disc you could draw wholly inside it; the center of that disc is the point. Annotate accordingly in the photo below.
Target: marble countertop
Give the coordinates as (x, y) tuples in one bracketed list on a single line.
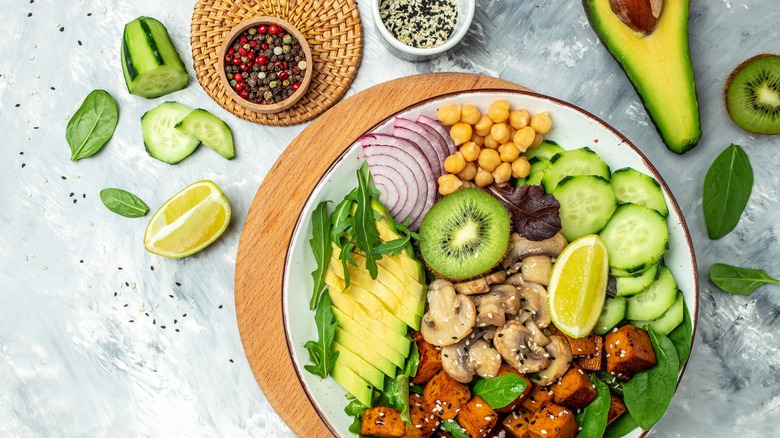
[(100, 338)]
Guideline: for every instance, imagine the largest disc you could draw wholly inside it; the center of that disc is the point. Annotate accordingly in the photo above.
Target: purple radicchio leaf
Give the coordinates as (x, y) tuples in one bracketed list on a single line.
[(535, 215)]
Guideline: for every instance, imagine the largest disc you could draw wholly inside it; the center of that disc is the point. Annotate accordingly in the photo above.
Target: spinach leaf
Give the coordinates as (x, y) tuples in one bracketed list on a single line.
[(681, 337), (736, 280), (648, 393), (501, 390), (123, 202), (92, 125), (322, 249), (366, 234), (412, 362), (454, 429), (621, 427), (593, 420), (611, 381), (321, 354), (727, 188)]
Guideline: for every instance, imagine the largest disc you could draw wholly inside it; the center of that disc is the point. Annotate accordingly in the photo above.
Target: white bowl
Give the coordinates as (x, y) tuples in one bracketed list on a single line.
[(572, 128), (409, 53)]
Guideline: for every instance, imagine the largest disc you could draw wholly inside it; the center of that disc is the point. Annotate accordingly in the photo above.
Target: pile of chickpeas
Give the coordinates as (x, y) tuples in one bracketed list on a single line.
[(490, 144)]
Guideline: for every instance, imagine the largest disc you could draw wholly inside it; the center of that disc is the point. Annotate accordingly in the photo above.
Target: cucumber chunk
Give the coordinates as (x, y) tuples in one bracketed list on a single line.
[(670, 319), (210, 130), (582, 161), (161, 139), (652, 302), (547, 149), (635, 187), (151, 65), (538, 168), (612, 313), (587, 203), (636, 238), (630, 286)]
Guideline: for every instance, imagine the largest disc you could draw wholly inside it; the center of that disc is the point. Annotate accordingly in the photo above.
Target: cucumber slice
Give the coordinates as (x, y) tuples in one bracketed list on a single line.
[(587, 203), (669, 320), (630, 286), (582, 161), (636, 238), (637, 188), (161, 139), (150, 63), (612, 313), (538, 167), (210, 130), (547, 149), (652, 302)]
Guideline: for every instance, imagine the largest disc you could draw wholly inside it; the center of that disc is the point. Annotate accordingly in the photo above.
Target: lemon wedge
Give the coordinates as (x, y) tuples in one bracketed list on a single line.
[(188, 222), (578, 286)]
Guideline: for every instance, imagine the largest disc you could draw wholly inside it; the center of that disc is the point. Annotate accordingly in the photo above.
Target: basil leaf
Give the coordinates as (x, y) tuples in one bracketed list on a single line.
[(736, 280), (321, 353), (501, 390), (412, 362), (648, 393), (621, 427), (454, 429), (92, 125), (681, 336), (321, 248), (727, 188), (366, 234), (593, 420), (123, 202)]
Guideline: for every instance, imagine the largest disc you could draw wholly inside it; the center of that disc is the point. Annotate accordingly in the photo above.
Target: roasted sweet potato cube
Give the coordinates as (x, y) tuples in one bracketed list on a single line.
[(553, 421), (430, 360), (382, 421), (444, 396), (579, 346), (477, 418), (574, 390), (593, 362), (498, 431), (616, 408), (538, 396), (628, 351), (423, 420), (516, 402), (516, 424)]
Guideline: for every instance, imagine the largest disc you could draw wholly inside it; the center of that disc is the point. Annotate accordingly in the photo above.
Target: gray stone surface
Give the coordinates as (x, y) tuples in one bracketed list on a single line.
[(73, 275)]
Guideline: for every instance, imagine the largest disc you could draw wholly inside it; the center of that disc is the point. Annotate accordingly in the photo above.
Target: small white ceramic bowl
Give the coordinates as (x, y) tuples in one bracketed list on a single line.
[(409, 53)]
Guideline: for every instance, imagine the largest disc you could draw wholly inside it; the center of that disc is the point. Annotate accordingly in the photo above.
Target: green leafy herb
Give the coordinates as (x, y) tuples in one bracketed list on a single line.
[(403, 228), (341, 220), (321, 353), (396, 392), (736, 280), (123, 202), (593, 420), (611, 381), (392, 247), (321, 248), (346, 259), (454, 429), (621, 427), (648, 393), (727, 188), (501, 390), (355, 409), (92, 125), (417, 389), (366, 234), (681, 337), (412, 362)]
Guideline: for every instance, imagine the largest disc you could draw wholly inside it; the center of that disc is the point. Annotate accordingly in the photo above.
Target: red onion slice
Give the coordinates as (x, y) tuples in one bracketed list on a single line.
[(416, 133), (439, 128)]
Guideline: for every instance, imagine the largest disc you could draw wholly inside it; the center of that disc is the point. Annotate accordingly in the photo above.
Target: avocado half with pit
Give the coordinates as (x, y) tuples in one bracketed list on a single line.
[(658, 63)]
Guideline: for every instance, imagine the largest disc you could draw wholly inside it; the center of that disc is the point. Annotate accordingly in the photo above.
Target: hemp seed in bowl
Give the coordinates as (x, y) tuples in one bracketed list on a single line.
[(421, 24)]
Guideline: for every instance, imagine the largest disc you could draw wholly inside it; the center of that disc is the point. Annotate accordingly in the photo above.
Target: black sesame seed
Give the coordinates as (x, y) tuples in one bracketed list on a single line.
[(81, 261), (79, 41), (154, 321), (53, 88), (29, 14), (127, 284), (177, 330), (62, 29), (151, 267), (231, 360), (18, 105), (119, 267), (178, 284), (132, 320), (184, 316), (84, 195), (89, 14), (23, 164), (63, 177), (169, 295), (75, 200), (21, 153), (175, 321), (162, 326), (220, 306), (71, 194)]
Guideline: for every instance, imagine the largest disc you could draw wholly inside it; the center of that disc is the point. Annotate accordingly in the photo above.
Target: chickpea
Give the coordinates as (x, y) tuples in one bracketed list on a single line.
[(508, 152), (488, 159), (542, 123), (454, 163), (520, 167), (478, 139), (537, 141), (524, 138), (470, 114), (483, 178), (500, 132), (499, 111), (502, 173), (469, 172), (469, 151), (519, 118), (490, 142), (468, 185), (460, 133), (482, 127), (449, 184), (449, 113)]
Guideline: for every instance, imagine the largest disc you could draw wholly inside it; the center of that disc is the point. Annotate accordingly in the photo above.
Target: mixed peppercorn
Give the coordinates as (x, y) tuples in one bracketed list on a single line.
[(265, 64)]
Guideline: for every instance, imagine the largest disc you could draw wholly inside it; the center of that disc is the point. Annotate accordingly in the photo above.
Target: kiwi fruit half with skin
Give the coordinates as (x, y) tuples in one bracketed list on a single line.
[(752, 94), (464, 235)]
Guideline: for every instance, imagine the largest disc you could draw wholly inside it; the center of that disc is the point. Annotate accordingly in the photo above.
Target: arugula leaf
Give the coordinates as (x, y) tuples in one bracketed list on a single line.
[(681, 336), (737, 280), (534, 213), (501, 390), (321, 248), (321, 353), (454, 429), (648, 393), (593, 420), (727, 188), (392, 247), (621, 426), (346, 258), (341, 220), (366, 234), (403, 228)]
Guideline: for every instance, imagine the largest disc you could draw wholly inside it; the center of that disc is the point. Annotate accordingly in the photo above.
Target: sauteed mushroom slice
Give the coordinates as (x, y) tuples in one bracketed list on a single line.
[(493, 307), (520, 248), (517, 346), (539, 337), (480, 285), (450, 316), (485, 359), (469, 356), (537, 269), (533, 299), (560, 355)]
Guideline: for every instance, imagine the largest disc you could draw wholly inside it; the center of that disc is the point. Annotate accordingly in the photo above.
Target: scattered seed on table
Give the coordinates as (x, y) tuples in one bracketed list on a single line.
[(151, 267), (75, 200), (71, 194), (79, 41), (81, 261), (89, 14), (220, 306), (184, 316), (62, 29), (154, 321), (18, 105), (132, 320), (127, 284), (63, 177), (119, 267), (84, 195), (23, 164), (162, 326), (231, 361), (53, 88), (29, 14), (178, 284)]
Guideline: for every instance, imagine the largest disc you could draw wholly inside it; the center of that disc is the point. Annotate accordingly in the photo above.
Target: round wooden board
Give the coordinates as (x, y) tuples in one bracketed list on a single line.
[(272, 217)]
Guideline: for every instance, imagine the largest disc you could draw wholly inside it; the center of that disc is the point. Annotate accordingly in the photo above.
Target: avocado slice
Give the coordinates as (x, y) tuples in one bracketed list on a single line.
[(658, 65), (360, 366), (369, 354), (352, 382)]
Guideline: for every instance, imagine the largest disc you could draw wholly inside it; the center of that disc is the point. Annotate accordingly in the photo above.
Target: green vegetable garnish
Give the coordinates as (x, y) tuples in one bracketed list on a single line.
[(727, 188), (593, 420), (736, 280), (454, 429), (501, 390), (366, 234), (621, 427), (92, 125), (123, 202), (321, 248), (321, 354), (681, 337)]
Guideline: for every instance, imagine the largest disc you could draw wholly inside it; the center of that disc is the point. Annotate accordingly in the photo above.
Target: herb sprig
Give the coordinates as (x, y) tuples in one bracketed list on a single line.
[(321, 248), (321, 353)]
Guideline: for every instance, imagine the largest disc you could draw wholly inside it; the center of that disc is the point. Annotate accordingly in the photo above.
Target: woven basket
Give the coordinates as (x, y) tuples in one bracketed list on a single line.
[(331, 27)]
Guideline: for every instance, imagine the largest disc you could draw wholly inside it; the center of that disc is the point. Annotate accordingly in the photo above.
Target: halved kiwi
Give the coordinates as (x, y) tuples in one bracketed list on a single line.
[(464, 235), (752, 94)]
